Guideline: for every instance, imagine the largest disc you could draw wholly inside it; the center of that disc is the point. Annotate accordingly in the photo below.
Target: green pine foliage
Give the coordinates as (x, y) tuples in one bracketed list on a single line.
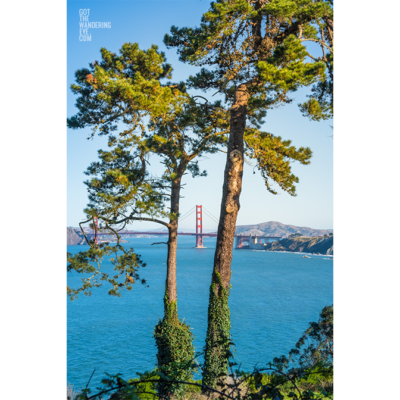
[(263, 43), (126, 265), (319, 106), (286, 70), (314, 349), (273, 157), (124, 87)]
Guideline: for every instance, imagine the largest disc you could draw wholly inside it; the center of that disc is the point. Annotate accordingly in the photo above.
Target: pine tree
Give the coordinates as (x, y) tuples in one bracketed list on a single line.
[(255, 57), (122, 96), (320, 104)]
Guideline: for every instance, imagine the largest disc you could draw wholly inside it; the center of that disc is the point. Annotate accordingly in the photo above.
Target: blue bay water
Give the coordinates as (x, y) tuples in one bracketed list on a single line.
[(273, 298)]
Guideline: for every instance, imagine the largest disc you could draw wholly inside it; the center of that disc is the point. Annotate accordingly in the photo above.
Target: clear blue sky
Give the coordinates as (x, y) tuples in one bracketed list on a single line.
[(146, 22)]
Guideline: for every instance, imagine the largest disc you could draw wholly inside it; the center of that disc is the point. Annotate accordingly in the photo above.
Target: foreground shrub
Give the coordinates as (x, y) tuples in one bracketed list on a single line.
[(175, 354)]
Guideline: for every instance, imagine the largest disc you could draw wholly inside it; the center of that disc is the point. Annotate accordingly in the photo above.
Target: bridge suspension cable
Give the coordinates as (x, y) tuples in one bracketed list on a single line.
[(163, 229), (191, 211), (210, 215)]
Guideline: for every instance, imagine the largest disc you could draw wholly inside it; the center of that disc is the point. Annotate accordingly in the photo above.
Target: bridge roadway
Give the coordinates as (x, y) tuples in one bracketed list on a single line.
[(180, 233), (242, 241), (152, 233)]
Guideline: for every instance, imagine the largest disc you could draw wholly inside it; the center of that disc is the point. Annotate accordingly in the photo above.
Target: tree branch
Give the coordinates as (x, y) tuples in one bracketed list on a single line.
[(318, 41), (328, 22), (130, 218)]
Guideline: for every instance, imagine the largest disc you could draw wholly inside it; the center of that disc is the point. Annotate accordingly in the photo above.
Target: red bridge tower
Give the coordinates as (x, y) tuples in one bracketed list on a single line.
[(199, 227)]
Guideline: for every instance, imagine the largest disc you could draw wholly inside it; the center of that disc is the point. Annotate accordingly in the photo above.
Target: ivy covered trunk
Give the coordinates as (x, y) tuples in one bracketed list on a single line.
[(217, 348), (173, 337)]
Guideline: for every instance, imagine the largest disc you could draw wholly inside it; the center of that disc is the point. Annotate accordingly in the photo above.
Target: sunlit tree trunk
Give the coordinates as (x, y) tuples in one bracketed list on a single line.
[(218, 331), (173, 337), (170, 286)]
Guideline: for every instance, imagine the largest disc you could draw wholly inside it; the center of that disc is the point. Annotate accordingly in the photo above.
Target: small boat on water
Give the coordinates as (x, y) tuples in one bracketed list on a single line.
[(306, 257)]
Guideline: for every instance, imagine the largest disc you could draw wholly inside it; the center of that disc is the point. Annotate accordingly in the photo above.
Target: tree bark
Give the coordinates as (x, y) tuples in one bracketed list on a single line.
[(217, 348), (232, 187), (328, 22), (174, 339), (170, 286)]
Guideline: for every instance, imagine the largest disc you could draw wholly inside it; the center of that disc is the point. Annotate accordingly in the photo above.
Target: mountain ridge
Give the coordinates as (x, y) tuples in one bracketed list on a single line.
[(279, 229), (74, 238)]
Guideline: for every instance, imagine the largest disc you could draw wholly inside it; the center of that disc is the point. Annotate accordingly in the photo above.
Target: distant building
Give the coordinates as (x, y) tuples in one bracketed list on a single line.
[(259, 243)]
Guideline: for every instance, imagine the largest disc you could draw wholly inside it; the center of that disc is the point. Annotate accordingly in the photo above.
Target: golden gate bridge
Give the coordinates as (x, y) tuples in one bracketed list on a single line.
[(242, 241)]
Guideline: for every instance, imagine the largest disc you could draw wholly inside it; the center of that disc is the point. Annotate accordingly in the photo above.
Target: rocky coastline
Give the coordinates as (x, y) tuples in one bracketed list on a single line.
[(318, 245)]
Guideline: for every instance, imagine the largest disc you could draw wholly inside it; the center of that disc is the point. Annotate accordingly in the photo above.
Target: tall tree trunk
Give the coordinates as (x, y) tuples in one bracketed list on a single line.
[(232, 187), (173, 337), (170, 284), (217, 349)]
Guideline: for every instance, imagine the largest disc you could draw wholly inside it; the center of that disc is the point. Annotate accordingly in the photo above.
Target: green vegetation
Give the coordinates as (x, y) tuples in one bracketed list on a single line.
[(218, 334), (175, 350), (293, 235), (307, 373)]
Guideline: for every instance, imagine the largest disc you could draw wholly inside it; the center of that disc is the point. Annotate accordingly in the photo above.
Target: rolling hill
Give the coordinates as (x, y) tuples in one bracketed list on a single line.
[(278, 229), (319, 245), (73, 238)]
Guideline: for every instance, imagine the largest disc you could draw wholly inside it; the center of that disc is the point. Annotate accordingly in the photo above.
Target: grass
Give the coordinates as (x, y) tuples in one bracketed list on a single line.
[(71, 392)]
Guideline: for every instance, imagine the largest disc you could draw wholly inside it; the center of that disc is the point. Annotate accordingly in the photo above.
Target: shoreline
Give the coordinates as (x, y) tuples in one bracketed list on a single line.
[(292, 252)]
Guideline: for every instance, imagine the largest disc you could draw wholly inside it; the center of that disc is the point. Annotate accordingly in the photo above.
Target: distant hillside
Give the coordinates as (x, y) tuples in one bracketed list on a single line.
[(322, 245), (73, 238), (279, 229)]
